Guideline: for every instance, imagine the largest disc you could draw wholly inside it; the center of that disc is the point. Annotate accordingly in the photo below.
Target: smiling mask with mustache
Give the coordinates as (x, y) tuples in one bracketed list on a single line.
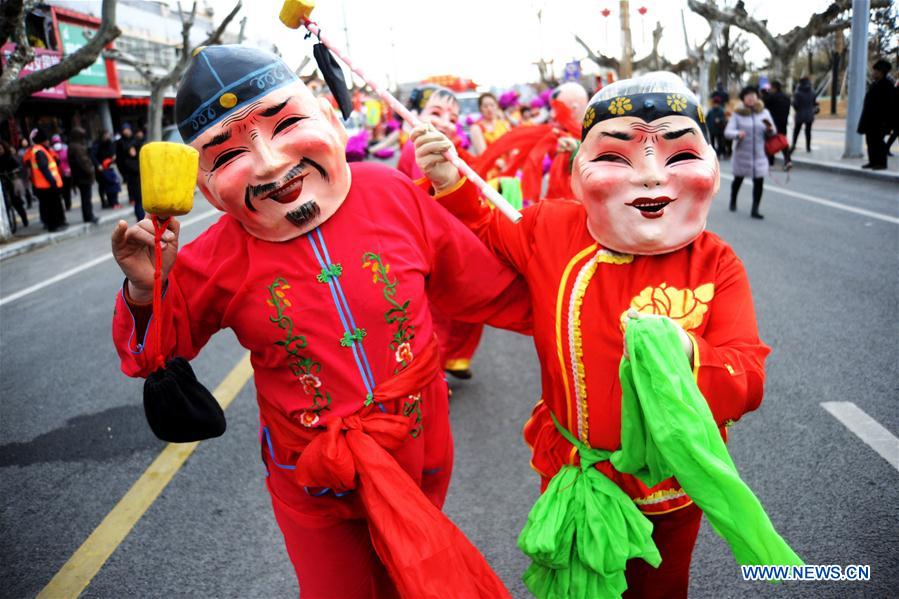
[(271, 154)]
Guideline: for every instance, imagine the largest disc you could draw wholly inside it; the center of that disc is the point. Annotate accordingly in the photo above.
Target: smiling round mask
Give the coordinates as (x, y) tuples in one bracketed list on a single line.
[(271, 154), (645, 171)]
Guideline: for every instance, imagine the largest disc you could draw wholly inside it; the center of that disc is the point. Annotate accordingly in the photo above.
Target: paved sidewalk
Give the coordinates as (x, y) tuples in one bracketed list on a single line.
[(34, 236), (828, 141)]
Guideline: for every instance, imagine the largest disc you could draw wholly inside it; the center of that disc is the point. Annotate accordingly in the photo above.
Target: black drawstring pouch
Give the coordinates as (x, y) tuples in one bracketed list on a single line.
[(178, 407), (333, 76)]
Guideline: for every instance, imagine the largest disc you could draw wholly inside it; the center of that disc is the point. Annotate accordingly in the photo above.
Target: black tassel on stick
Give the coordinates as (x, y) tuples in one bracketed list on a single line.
[(333, 75), (178, 407)]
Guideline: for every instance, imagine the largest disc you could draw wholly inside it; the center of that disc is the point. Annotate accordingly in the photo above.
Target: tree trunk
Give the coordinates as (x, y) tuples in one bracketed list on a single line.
[(626, 55), (781, 67), (724, 58), (154, 113)]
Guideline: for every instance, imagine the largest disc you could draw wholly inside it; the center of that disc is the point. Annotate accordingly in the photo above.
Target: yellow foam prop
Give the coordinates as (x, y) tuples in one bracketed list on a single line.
[(294, 12), (168, 177)]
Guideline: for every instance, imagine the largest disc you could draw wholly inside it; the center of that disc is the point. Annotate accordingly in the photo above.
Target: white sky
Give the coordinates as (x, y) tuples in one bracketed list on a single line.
[(494, 42)]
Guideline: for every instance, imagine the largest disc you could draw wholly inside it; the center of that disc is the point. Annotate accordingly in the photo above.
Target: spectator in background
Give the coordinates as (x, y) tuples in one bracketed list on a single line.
[(82, 172), (806, 106), (24, 146), (778, 104), (128, 162), (107, 179), (11, 179), (716, 122), (878, 115), (47, 181), (748, 127), (61, 150)]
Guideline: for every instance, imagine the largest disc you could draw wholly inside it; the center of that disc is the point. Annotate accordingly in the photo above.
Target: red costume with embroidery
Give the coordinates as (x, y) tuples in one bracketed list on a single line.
[(333, 319)]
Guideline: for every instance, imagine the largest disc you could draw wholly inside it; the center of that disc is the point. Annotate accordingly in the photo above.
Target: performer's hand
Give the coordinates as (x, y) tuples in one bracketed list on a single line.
[(686, 341), (566, 144), (132, 248), (430, 146)]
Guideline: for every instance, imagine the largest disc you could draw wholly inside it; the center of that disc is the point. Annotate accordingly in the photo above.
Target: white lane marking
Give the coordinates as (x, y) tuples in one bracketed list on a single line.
[(828, 203), (866, 428), (90, 263)]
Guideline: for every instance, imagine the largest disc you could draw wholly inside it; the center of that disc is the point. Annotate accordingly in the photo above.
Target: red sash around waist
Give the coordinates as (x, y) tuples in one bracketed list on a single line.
[(425, 554)]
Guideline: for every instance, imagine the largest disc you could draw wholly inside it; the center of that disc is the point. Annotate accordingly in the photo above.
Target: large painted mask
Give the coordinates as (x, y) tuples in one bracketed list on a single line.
[(645, 171), (271, 154)]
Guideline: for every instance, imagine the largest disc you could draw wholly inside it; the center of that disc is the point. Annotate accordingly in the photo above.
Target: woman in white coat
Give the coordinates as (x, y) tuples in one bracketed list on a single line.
[(748, 126)]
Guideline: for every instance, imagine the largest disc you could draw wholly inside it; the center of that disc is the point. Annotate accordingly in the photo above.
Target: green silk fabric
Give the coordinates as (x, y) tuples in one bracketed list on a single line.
[(583, 529), (510, 188)]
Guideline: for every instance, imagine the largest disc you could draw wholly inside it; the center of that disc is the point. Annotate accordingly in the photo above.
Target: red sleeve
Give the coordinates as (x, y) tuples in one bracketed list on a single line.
[(729, 358), (511, 242), (466, 281), (407, 164), (193, 306)]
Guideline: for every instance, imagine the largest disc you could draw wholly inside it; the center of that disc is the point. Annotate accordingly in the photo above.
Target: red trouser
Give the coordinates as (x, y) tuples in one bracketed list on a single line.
[(674, 535), (327, 536), (458, 340)]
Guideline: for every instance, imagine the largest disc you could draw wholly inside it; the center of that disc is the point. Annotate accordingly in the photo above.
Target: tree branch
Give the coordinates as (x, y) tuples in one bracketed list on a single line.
[(141, 66), (600, 59), (738, 18), (172, 77), (69, 66)]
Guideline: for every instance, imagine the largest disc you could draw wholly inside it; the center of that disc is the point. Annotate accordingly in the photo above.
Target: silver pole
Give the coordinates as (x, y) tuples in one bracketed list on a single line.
[(857, 71)]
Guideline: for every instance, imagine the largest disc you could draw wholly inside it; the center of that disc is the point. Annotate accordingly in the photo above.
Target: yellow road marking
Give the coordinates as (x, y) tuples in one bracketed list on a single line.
[(76, 574)]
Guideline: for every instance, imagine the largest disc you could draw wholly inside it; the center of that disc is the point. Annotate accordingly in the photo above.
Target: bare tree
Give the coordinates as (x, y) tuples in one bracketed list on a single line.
[(652, 61), (785, 47), (12, 28), (159, 83)]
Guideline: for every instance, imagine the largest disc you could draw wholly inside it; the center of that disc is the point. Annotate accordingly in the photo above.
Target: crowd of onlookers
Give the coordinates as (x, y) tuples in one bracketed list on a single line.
[(50, 169)]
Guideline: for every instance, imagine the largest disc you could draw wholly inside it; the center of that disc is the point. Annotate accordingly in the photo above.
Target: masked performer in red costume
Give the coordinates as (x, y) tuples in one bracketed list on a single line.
[(523, 150), (326, 273), (439, 107), (633, 241)]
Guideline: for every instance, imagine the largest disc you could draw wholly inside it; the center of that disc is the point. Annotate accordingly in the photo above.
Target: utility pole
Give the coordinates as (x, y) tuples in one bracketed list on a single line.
[(858, 70), (626, 70), (835, 76)]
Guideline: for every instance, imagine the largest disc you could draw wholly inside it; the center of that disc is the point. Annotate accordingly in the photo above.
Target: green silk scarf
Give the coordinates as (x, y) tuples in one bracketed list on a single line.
[(583, 529)]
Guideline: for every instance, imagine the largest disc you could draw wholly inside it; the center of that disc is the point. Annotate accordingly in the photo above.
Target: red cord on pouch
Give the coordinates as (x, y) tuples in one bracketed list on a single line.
[(159, 226)]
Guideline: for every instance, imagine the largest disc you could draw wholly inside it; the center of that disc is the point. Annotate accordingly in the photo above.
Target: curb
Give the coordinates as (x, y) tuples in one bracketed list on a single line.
[(18, 248), (842, 169)]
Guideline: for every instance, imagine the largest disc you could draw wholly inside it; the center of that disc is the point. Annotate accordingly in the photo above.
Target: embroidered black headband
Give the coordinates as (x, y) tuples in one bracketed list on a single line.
[(221, 79), (647, 106)]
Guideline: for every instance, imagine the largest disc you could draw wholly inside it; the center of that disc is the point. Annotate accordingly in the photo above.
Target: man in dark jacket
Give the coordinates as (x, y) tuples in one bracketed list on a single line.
[(82, 172), (127, 151), (778, 104), (877, 112), (805, 103)]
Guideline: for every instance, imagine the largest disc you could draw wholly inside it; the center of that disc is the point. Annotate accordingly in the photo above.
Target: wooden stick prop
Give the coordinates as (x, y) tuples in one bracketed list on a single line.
[(296, 12)]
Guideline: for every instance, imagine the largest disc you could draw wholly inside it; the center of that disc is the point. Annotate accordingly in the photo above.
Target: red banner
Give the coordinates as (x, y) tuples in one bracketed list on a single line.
[(43, 59)]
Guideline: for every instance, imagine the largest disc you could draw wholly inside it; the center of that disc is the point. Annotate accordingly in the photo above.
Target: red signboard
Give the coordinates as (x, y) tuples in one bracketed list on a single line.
[(43, 59)]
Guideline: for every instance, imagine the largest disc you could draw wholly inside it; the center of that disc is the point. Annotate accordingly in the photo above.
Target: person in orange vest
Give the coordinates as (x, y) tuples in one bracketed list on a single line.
[(47, 182)]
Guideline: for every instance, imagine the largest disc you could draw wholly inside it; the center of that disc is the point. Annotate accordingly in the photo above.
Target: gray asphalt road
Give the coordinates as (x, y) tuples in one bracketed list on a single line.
[(73, 437)]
